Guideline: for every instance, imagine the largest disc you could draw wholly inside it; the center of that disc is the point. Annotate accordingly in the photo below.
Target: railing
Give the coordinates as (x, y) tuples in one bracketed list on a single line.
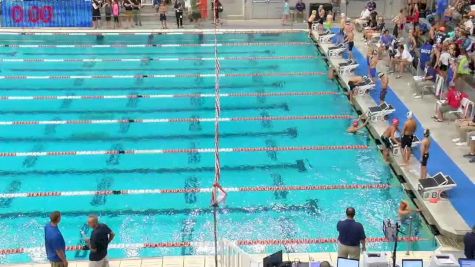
[(233, 256)]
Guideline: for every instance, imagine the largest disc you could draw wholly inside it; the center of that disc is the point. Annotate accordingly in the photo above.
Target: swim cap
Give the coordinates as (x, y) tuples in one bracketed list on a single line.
[(355, 123), (395, 122), (314, 12), (409, 115), (380, 74)]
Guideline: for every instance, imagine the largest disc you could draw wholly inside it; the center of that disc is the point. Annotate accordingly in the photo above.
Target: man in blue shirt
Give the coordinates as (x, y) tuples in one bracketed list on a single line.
[(441, 7), (385, 41), (426, 53), (351, 234), (54, 242)]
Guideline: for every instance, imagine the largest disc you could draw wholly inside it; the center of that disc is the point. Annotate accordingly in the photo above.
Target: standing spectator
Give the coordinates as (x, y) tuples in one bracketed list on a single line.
[(54, 242), (442, 6), (163, 14), (116, 13), (426, 53), (217, 9), (351, 234), (156, 4), (179, 8), (425, 147), (399, 22), (300, 8), (137, 5), (443, 61), (373, 63), (285, 13), (101, 236), (469, 244), (96, 13), (128, 5), (108, 12)]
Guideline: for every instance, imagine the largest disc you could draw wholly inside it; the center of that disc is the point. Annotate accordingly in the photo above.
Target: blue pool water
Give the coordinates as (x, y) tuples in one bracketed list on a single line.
[(154, 218)]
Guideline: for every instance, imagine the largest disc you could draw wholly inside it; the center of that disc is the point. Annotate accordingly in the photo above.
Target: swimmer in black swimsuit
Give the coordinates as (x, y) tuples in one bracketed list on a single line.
[(388, 135), (407, 136), (425, 147)]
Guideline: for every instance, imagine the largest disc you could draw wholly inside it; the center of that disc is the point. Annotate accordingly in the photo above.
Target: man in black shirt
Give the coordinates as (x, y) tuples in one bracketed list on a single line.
[(101, 236), (351, 234), (469, 244)]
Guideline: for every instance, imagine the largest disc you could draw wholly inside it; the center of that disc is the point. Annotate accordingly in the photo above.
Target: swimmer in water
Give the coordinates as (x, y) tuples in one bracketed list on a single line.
[(405, 211), (356, 126), (332, 74)]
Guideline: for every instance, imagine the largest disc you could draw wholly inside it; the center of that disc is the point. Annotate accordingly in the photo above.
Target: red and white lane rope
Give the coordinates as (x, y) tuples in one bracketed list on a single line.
[(137, 33), (88, 97), (155, 45), (180, 120), (265, 242), (84, 60), (179, 151), (195, 190), (156, 76)]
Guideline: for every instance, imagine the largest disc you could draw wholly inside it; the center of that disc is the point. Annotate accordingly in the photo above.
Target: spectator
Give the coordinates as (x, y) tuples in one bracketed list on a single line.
[(351, 234), (54, 242), (399, 22), (285, 13), (376, 31), (101, 236), (300, 10), (426, 53), (137, 5), (463, 127), (425, 147), (163, 14), (443, 61), (442, 6), (415, 15), (128, 5), (179, 8), (469, 244), (440, 35), (156, 4), (371, 5), (217, 10), (412, 41), (452, 103), (116, 13), (363, 20), (108, 12), (96, 13), (402, 59), (385, 41)]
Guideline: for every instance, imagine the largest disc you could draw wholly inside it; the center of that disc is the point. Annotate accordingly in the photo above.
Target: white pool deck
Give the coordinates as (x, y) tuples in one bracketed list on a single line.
[(442, 214)]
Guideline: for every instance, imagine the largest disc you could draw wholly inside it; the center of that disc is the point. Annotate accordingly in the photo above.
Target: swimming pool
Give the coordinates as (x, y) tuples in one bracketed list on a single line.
[(128, 112)]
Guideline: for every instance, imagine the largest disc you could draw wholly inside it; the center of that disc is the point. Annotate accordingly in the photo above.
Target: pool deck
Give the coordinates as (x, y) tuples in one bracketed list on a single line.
[(208, 261), (441, 214)]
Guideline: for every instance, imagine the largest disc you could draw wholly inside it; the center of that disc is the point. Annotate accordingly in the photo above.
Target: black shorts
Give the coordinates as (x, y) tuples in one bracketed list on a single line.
[(425, 158), (351, 45), (108, 17), (310, 25), (116, 18), (163, 17), (444, 67), (406, 141), (386, 141), (96, 14)]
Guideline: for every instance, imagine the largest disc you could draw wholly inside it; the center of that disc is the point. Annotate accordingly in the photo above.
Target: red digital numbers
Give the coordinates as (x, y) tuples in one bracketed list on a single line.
[(35, 14)]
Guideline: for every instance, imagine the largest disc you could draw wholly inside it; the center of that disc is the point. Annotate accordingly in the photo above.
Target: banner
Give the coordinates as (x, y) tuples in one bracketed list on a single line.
[(47, 13)]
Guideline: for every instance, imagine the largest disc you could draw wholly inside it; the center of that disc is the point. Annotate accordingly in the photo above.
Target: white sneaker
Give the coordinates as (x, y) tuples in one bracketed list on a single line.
[(455, 140), (417, 97), (461, 143)]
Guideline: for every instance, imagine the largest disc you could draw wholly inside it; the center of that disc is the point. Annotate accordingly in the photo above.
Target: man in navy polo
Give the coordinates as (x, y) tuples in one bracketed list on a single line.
[(54, 242), (351, 234)]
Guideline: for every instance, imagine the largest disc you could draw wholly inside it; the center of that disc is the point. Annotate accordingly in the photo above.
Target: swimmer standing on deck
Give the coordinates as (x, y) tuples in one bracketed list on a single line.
[(389, 133), (408, 131), (425, 147)]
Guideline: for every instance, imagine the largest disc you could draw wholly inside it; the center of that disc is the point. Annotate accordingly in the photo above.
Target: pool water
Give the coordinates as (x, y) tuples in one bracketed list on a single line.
[(153, 218)]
